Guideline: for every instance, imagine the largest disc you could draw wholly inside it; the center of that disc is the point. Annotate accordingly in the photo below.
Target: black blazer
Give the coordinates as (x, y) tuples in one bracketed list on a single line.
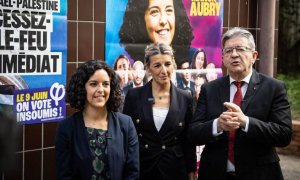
[(266, 105), (166, 154), (74, 158)]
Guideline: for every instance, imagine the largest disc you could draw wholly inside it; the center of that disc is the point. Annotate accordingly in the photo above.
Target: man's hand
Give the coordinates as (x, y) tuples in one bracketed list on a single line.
[(226, 122), (231, 119), (236, 114)]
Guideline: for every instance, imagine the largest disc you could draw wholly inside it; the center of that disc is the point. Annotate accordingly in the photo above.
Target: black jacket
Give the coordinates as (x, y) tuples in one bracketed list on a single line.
[(267, 106), (73, 155), (166, 154)]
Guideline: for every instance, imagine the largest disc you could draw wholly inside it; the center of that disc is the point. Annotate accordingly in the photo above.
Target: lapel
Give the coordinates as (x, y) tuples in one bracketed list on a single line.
[(251, 90), (112, 119), (147, 101), (81, 138), (224, 91), (174, 102), (192, 85)]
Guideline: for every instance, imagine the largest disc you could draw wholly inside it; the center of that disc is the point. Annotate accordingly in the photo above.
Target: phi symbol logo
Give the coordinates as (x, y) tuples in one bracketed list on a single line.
[(57, 92)]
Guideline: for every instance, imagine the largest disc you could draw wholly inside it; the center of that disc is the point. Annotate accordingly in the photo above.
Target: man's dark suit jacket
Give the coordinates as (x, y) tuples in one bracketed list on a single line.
[(266, 105), (73, 155), (164, 154), (192, 87), (125, 89)]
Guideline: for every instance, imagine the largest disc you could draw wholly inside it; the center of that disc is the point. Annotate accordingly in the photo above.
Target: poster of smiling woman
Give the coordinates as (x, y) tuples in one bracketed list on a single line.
[(33, 44), (185, 25)]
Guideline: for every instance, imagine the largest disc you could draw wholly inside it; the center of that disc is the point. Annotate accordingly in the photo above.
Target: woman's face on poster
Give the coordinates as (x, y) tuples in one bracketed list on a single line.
[(199, 60), (160, 21)]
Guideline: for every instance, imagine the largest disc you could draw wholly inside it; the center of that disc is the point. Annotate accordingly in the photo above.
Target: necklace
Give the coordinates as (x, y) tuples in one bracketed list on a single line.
[(161, 97)]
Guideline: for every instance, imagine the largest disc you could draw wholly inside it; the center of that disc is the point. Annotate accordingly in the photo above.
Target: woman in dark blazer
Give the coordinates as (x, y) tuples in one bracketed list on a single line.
[(161, 113), (96, 142)]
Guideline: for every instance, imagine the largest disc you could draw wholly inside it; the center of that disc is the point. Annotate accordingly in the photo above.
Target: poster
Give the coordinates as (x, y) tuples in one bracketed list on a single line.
[(195, 28), (33, 46), (192, 27)]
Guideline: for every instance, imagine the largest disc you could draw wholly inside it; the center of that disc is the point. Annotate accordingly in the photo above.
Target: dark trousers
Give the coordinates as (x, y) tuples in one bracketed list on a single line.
[(231, 176)]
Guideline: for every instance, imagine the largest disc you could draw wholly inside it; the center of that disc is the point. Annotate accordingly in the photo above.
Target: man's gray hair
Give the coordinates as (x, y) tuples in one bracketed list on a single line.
[(237, 31)]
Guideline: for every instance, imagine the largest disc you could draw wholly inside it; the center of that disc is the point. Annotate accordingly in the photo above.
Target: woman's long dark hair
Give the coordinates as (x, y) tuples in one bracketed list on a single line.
[(193, 64)]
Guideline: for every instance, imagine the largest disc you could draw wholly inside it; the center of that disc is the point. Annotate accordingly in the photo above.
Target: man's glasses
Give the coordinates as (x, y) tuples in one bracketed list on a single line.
[(238, 49)]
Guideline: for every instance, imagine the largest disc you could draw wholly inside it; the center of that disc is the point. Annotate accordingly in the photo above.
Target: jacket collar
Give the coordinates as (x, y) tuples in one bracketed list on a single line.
[(224, 90), (251, 90), (148, 101)]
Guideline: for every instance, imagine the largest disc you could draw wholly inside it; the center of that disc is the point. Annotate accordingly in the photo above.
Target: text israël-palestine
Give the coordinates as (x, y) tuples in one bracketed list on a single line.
[(31, 4)]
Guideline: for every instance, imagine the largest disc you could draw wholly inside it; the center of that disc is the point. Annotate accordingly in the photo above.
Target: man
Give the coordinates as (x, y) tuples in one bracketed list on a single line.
[(240, 139), (186, 82), (211, 72), (138, 74), (200, 79)]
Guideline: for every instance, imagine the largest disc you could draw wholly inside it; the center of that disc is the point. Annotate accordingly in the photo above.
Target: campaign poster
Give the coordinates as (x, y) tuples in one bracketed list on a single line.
[(33, 53), (195, 35), (193, 28)]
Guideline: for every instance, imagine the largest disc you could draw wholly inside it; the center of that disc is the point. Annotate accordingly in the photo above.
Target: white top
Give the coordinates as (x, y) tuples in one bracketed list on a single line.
[(159, 116)]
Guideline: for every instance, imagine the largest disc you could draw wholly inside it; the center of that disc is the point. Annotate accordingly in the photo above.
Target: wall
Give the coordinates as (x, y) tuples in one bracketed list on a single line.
[(294, 147), (86, 35)]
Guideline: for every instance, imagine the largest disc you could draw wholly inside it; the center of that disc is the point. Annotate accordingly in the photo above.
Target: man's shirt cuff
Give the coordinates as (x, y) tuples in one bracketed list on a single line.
[(215, 128)]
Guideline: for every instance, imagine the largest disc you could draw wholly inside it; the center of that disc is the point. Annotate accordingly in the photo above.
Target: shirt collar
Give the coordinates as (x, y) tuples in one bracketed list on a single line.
[(133, 85), (186, 85), (246, 79)]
